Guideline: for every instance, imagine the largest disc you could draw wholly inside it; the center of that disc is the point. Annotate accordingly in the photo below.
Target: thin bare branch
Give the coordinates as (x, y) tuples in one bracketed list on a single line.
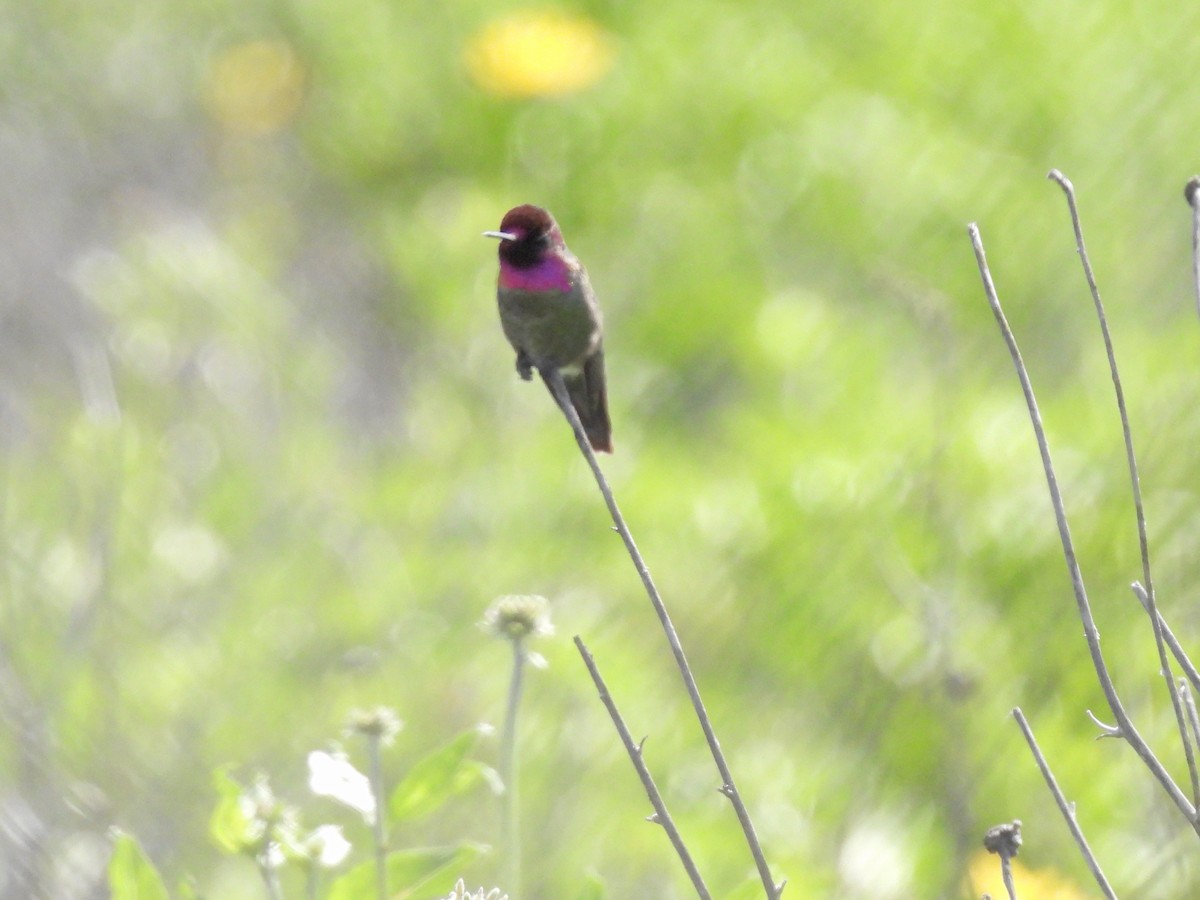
[(1091, 634), (661, 816), (1189, 704), (1181, 657), (1135, 482), (1067, 809), (1190, 194), (554, 381)]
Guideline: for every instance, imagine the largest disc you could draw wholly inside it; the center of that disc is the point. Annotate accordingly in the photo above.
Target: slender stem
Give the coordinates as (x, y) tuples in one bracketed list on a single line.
[(553, 379), (1091, 634), (508, 772), (1190, 194), (1007, 876), (1067, 809), (661, 816), (379, 826), (269, 872), (1131, 459), (1181, 657), (270, 880), (310, 881)]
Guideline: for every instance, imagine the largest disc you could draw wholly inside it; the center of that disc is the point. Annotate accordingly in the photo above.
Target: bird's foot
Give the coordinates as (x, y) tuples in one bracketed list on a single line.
[(524, 366)]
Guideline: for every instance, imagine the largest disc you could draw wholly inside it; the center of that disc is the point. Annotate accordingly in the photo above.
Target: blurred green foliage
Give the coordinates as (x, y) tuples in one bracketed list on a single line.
[(265, 460), (131, 875)]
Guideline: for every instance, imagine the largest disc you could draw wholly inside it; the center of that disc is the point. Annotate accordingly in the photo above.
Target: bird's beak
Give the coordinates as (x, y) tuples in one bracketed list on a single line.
[(500, 235)]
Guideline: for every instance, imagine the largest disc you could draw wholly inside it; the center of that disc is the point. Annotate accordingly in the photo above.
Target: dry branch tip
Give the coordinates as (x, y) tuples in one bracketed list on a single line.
[(1003, 839), (1189, 190)]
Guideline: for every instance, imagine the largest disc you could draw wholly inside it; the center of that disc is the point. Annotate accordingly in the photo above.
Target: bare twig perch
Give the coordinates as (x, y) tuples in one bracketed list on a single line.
[(661, 816), (1092, 635), (1067, 809), (554, 381)]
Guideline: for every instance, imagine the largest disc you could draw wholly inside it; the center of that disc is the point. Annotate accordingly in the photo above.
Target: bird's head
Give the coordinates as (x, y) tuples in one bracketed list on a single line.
[(527, 234)]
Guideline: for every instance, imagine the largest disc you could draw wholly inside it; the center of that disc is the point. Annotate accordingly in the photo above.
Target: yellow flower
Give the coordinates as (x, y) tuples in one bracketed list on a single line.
[(534, 54), (983, 876), (255, 87)]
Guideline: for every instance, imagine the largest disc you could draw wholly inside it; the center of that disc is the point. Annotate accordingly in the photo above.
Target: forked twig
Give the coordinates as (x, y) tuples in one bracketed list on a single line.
[(661, 816), (1181, 657), (554, 381), (1067, 809), (1091, 634), (1131, 459)]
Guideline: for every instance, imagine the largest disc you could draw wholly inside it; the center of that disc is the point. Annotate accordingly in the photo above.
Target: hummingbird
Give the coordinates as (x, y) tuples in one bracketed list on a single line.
[(549, 314)]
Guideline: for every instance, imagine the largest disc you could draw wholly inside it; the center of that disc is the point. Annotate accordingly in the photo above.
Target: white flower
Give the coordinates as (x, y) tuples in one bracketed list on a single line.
[(327, 846), (518, 616), (272, 857), (380, 723), (332, 775), (461, 892)]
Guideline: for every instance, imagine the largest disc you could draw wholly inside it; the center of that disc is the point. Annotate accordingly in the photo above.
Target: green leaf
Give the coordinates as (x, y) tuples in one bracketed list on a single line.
[(592, 888), (408, 871), (131, 875), (444, 773), (228, 826)]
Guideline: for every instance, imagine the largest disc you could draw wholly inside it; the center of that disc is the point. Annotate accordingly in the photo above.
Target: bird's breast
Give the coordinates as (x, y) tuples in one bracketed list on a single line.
[(551, 326), (553, 273)]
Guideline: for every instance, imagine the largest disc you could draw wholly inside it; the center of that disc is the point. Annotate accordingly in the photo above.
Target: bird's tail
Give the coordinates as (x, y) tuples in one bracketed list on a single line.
[(589, 396), (593, 413)]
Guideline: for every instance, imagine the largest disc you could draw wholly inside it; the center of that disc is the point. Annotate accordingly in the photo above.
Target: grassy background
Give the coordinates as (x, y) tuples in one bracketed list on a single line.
[(265, 460)]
